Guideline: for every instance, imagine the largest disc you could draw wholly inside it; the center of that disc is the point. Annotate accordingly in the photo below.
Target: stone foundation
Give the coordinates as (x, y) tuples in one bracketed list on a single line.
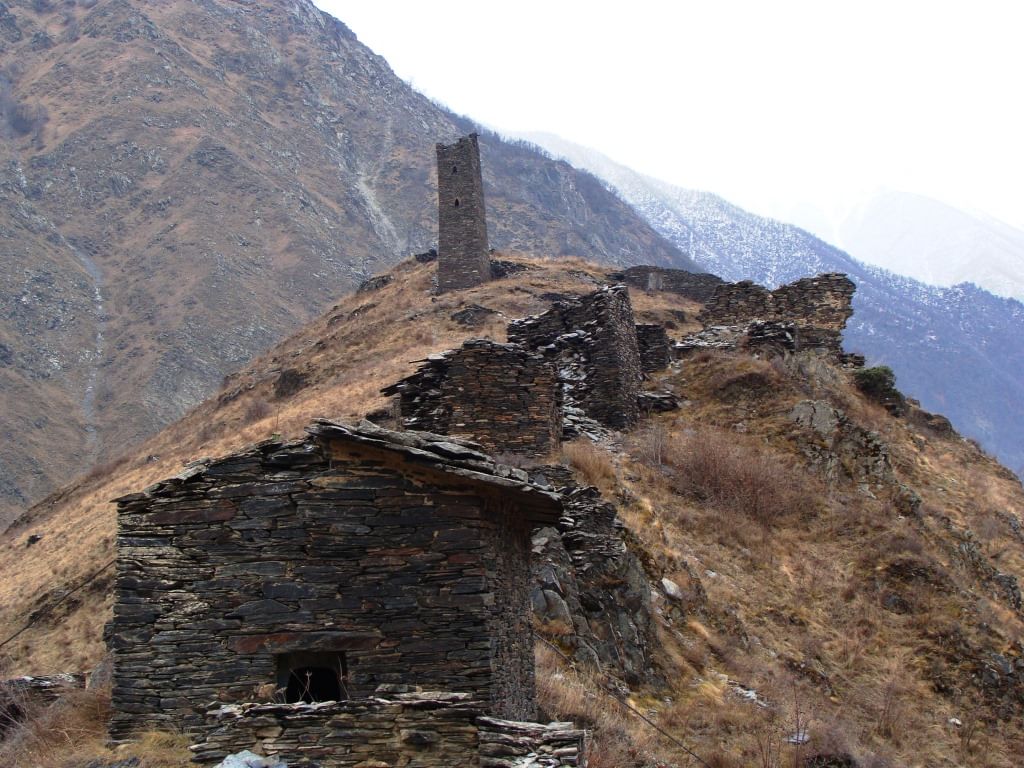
[(415, 730)]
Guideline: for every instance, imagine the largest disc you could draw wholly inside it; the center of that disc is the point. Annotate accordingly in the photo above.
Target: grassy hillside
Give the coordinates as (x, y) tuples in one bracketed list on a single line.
[(812, 597)]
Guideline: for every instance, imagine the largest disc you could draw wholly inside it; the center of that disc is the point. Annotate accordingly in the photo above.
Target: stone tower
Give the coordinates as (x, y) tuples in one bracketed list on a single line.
[(463, 259)]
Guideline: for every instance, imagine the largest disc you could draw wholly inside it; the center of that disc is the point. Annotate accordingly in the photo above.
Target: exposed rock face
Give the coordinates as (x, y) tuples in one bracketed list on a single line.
[(428, 729), (382, 557), (590, 590), (838, 448), (845, 450), (592, 339), (500, 395), (698, 286)]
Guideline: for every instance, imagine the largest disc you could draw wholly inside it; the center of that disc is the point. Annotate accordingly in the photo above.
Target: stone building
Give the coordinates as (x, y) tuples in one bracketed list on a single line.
[(592, 339), (344, 566), (500, 395), (463, 252)]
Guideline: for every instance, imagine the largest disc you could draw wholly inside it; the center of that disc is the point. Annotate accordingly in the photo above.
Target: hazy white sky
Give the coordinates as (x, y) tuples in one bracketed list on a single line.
[(775, 104)]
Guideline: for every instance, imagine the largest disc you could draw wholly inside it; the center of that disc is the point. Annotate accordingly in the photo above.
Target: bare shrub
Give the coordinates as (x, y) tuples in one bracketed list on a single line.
[(594, 463), (256, 410), (735, 475)]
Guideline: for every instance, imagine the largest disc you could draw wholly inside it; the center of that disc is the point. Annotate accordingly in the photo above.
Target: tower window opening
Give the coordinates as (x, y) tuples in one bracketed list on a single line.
[(312, 677), (455, 169), (456, 202)]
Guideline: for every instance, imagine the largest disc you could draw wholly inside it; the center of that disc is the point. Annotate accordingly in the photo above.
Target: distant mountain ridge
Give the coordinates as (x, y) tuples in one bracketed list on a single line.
[(185, 182), (959, 349), (936, 243)]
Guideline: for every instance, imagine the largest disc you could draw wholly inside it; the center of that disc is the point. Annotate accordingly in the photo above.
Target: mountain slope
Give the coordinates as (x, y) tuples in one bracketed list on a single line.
[(789, 591), (186, 182), (959, 349), (935, 243)]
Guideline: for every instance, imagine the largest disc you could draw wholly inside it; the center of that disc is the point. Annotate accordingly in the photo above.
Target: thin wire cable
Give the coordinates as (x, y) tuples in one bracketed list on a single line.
[(68, 594), (624, 705)]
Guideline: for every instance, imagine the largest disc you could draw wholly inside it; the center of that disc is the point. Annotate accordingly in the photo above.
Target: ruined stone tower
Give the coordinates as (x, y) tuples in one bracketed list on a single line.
[(463, 259)]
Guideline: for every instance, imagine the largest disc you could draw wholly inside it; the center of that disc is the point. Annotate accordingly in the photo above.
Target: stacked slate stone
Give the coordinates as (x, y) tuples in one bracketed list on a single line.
[(691, 285), (426, 730), (588, 584), (592, 340), (813, 309), (655, 347), (403, 556), (502, 396), (463, 252)]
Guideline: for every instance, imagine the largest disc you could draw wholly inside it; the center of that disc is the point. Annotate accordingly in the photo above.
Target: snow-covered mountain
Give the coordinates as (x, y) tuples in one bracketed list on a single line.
[(958, 349), (935, 243)]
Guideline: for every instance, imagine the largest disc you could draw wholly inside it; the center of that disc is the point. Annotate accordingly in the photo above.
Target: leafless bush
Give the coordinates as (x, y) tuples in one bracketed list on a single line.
[(735, 475), (256, 410), (594, 463)]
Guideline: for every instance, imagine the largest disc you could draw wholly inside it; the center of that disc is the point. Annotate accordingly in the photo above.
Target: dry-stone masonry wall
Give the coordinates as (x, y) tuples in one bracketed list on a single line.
[(809, 313), (463, 251), (654, 346), (500, 395), (412, 730), (691, 285), (592, 340), (589, 588), (824, 301), (386, 557)]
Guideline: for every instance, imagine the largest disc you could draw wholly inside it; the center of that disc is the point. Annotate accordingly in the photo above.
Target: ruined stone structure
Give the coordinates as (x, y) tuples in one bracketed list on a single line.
[(809, 313), (592, 339), (499, 395), (428, 730), (699, 286), (655, 347), (322, 569), (463, 251)]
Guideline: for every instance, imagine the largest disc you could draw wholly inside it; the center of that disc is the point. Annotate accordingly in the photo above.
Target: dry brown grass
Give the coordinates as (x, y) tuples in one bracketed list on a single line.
[(73, 731), (591, 461)]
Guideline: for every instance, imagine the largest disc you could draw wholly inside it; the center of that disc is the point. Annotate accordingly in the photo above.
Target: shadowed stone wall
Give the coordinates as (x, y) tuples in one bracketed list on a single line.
[(406, 555), (463, 251), (592, 340), (654, 346), (499, 395), (699, 286)]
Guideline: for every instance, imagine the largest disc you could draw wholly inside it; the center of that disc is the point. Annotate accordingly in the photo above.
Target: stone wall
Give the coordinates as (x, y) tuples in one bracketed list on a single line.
[(403, 556), (592, 340), (499, 395), (463, 251), (591, 588), (824, 301), (415, 730), (654, 347), (698, 286)]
